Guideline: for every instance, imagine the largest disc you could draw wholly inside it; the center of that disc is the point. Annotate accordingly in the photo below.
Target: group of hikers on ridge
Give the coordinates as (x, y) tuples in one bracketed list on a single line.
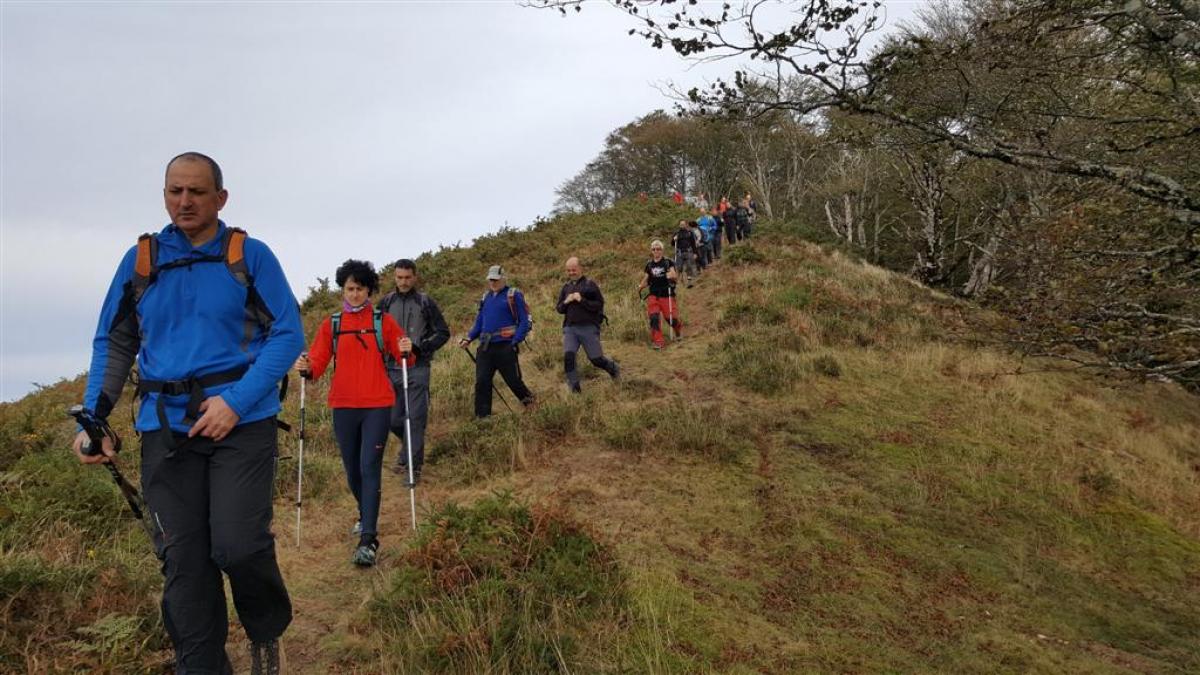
[(696, 244), (206, 314)]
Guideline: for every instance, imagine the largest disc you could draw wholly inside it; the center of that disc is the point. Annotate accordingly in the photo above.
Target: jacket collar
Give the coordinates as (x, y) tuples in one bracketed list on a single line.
[(173, 239)]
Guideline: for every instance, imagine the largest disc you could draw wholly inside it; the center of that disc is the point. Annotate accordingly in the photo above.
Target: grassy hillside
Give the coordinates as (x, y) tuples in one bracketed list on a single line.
[(828, 473)]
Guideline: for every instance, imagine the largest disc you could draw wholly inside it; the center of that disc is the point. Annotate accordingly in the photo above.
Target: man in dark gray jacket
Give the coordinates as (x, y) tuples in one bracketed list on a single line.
[(582, 306), (422, 321)]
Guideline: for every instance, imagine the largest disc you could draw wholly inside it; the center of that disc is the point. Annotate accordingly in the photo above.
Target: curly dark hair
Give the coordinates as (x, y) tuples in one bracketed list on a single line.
[(359, 270)]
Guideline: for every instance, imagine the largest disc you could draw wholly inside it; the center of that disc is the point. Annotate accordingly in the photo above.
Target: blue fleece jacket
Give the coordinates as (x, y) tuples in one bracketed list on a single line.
[(708, 224), (496, 318), (191, 322)]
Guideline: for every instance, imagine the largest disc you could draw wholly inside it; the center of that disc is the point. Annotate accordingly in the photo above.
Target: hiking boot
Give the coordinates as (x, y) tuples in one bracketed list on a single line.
[(357, 529), (616, 370), (656, 347), (264, 658), (400, 469), (364, 555)]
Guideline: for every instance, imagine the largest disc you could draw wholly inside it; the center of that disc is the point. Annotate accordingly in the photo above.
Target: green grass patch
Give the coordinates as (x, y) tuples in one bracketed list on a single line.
[(479, 448), (756, 362), (502, 587), (742, 255)]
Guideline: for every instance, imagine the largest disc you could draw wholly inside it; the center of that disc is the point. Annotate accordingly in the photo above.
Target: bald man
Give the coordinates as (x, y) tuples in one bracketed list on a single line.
[(582, 306)]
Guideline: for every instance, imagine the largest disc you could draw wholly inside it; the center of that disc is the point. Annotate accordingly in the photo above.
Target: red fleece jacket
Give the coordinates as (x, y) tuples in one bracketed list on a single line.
[(360, 379)]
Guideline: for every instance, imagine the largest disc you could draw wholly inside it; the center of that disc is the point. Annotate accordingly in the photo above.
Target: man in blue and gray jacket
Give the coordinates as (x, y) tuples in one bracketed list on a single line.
[(214, 327), (501, 325)]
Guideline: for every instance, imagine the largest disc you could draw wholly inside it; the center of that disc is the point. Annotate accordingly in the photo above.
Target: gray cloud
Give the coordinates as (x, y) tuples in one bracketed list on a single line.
[(368, 129)]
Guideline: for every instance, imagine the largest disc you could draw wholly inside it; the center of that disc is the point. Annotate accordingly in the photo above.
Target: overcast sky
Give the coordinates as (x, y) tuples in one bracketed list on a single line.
[(369, 130)]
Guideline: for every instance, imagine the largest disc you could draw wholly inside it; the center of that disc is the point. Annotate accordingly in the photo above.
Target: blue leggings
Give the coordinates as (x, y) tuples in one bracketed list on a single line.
[(362, 435)]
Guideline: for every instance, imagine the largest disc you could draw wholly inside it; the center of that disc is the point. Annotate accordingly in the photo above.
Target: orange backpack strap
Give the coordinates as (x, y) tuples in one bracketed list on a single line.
[(145, 267), (234, 251)]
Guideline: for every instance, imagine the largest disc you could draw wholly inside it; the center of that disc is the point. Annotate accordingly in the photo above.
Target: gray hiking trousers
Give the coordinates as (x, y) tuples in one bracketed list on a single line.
[(685, 260), (418, 411), (587, 336)]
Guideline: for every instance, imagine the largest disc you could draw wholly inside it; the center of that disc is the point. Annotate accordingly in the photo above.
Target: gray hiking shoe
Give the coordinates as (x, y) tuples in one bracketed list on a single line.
[(264, 658), (364, 555), (616, 370)]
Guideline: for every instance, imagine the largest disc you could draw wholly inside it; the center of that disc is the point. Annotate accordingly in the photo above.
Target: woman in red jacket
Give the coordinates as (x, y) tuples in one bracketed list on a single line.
[(361, 395)]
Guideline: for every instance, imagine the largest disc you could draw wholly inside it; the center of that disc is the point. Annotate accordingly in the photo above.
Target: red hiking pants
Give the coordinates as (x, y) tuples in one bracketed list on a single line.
[(656, 308)]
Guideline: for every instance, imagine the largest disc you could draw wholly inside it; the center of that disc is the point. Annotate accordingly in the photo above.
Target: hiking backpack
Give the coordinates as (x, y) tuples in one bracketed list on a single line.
[(146, 270), (335, 327), (512, 307), (233, 243)]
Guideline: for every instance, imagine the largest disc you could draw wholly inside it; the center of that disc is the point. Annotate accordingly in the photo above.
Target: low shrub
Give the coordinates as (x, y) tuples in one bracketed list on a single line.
[(745, 254), (501, 587), (758, 364), (826, 365)]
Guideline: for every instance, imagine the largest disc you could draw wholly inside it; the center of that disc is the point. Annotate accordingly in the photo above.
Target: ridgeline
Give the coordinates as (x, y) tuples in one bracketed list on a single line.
[(829, 473)]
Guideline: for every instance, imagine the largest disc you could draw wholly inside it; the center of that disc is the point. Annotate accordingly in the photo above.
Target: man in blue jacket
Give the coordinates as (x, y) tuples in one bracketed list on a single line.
[(712, 230), (501, 325), (210, 318)]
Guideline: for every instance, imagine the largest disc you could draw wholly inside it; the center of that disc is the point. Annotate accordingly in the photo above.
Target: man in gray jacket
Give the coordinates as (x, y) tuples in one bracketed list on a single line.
[(422, 321)]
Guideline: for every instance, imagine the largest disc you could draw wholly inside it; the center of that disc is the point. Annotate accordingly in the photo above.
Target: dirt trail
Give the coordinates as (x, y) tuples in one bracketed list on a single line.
[(328, 591)]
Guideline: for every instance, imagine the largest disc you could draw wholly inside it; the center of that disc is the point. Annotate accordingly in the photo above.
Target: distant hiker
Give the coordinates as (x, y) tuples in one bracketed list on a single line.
[(741, 217), (357, 340), (677, 197), (702, 201), (729, 220), (660, 277), (582, 306), (745, 215), (501, 325), (212, 322), (701, 240), (686, 245), (712, 236), (718, 235), (422, 321)]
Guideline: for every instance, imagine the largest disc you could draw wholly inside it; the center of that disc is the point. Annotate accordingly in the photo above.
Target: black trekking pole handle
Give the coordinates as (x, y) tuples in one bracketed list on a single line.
[(97, 430)]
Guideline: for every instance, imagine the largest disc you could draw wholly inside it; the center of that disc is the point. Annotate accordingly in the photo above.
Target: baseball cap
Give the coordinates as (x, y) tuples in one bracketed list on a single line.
[(495, 272)]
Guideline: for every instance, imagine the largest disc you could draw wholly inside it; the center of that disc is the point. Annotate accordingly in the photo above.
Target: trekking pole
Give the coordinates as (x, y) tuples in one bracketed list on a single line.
[(412, 483), (304, 374), (671, 309), (97, 430), (494, 387)]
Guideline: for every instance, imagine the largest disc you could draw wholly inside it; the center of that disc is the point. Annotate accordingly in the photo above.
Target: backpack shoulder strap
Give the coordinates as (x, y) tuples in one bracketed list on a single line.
[(145, 268), (377, 317), (258, 315), (233, 249), (335, 327), (512, 302)]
